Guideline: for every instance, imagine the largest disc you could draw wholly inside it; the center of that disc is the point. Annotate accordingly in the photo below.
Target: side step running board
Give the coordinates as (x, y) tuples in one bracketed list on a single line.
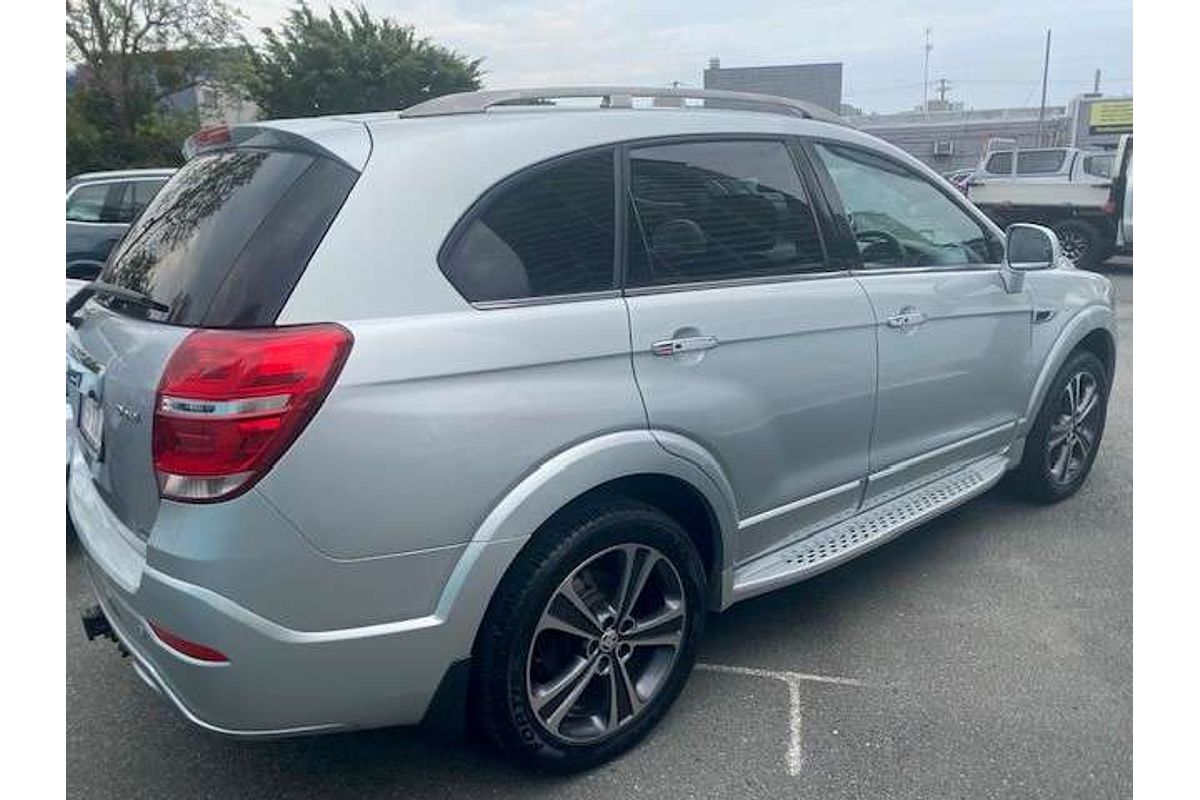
[(871, 528)]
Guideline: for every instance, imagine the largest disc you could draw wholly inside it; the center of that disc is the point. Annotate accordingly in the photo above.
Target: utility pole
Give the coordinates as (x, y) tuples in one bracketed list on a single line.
[(928, 47), (943, 87), (1045, 78), (1096, 83)]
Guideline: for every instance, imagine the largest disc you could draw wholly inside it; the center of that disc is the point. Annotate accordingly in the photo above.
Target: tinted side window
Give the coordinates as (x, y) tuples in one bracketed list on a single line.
[(708, 211), (547, 233), (126, 201), (142, 192), (86, 203), (1039, 162), (999, 164), (900, 219), (1099, 166)]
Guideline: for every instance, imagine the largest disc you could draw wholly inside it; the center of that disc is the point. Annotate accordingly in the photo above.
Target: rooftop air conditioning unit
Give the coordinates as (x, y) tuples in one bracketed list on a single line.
[(945, 147)]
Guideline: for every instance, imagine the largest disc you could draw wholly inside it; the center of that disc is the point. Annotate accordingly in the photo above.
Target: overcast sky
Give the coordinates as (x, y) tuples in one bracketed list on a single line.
[(990, 52)]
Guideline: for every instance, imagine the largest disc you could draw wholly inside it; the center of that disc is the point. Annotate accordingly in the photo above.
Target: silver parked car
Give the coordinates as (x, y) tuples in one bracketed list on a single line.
[(100, 207), (472, 411)]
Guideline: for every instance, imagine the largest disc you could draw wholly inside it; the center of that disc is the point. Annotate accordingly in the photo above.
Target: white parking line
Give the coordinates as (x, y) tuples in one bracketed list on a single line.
[(795, 751)]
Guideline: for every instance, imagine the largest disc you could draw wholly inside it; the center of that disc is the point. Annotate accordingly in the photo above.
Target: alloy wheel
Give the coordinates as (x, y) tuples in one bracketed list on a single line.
[(1074, 245), (1075, 430), (606, 643)]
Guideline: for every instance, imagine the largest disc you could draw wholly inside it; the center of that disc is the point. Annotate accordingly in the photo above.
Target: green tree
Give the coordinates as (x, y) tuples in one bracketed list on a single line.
[(130, 55), (348, 63)]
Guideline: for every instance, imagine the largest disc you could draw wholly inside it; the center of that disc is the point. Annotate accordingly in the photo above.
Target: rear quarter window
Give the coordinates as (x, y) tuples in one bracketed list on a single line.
[(547, 232), (223, 243)]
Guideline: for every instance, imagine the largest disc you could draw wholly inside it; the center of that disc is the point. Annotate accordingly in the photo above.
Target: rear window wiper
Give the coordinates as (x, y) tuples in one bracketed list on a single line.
[(131, 296)]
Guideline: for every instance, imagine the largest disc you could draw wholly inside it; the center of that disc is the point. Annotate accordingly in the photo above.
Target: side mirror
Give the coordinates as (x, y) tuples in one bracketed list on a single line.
[(1029, 247), (1026, 248)]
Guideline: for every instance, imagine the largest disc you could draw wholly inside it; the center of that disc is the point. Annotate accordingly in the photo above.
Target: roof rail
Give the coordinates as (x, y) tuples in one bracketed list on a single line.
[(613, 97)]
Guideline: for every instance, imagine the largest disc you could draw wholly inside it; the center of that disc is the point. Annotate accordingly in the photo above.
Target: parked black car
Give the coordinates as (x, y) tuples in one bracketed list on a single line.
[(100, 206)]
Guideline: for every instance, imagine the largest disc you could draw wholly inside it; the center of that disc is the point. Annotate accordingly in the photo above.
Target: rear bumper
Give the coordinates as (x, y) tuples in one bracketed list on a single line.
[(278, 681)]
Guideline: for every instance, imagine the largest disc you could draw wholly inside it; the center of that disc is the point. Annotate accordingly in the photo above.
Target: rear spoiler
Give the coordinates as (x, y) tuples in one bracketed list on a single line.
[(347, 142)]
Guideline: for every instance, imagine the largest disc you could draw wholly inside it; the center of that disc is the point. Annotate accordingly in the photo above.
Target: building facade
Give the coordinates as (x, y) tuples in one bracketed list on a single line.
[(950, 140), (946, 136), (814, 83)]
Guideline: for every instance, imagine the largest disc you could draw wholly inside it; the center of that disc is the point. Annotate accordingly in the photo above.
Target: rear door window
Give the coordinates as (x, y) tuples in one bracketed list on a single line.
[(1040, 162), (87, 202), (142, 192), (708, 211), (548, 232), (128, 198), (223, 243)]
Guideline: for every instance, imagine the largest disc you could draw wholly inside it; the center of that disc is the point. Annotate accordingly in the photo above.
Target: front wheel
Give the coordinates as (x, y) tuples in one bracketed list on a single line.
[(1061, 447), (590, 637)]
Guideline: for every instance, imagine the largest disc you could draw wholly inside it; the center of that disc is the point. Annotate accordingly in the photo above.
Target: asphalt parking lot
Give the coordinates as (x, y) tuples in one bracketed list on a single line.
[(984, 655)]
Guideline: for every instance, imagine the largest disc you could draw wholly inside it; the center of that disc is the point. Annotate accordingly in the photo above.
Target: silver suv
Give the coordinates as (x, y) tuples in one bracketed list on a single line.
[(471, 412)]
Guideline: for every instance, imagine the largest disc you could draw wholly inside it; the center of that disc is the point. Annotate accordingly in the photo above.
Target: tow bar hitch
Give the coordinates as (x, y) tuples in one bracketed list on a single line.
[(96, 625)]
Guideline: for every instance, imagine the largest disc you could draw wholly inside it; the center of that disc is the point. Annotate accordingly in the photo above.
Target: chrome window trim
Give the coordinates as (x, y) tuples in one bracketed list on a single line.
[(866, 272), (545, 300), (759, 280)]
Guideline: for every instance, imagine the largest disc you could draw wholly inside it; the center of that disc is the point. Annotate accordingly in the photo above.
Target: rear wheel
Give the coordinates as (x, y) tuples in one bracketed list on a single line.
[(1061, 447), (590, 637), (1081, 242)]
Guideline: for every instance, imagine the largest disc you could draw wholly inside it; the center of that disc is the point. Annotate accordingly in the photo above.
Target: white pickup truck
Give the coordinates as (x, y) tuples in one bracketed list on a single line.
[(1083, 195)]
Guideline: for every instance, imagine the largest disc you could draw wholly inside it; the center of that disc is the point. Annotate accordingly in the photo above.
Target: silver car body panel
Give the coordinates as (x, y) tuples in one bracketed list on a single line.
[(456, 431), (785, 400)]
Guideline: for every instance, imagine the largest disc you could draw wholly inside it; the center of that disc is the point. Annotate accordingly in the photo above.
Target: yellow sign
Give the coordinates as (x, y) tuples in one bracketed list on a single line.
[(1111, 116)]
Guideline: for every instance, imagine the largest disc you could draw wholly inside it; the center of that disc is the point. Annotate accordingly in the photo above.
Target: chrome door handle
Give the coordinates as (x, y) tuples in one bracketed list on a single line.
[(907, 317), (686, 344)]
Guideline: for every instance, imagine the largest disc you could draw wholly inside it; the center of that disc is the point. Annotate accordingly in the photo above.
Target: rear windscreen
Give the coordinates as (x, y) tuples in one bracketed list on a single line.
[(225, 241)]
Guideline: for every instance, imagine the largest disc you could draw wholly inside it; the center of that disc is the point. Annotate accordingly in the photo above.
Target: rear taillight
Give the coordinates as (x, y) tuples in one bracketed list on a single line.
[(230, 402)]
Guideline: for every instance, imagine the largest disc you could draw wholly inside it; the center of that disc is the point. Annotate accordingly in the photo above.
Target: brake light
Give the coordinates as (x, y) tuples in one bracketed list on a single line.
[(206, 139), (230, 403)]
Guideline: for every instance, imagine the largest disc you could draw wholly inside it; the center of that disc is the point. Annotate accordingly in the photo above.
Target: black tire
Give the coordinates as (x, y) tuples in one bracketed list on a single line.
[(501, 706), (1035, 477), (1082, 242)]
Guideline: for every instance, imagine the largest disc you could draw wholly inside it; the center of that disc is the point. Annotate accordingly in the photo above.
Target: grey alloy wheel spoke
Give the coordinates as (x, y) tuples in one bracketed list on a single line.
[(1058, 433), (572, 681), (628, 685), (552, 622), (567, 591), (1083, 441), (568, 702), (638, 563), (1088, 403), (657, 630), (1058, 467), (1071, 388)]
